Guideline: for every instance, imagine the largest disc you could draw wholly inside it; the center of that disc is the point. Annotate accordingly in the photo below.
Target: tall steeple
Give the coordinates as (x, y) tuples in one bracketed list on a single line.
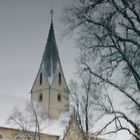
[(50, 87), (51, 62)]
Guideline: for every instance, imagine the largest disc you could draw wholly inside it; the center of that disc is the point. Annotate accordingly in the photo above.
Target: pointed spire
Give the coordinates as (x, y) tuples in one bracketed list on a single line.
[(51, 61), (51, 10)]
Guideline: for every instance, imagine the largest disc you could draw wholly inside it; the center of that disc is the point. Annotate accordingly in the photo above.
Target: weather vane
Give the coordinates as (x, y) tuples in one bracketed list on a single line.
[(51, 14), (51, 11)]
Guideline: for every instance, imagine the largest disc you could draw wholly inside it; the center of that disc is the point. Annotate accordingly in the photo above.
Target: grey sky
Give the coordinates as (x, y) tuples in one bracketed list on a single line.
[(24, 26)]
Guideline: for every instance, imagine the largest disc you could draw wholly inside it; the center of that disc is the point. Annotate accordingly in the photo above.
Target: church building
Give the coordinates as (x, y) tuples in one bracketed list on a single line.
[(50, 87), (51, 90)]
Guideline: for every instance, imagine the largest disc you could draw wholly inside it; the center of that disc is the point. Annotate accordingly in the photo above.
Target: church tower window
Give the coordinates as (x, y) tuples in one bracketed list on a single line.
[(59, 98), (59, 78), (40, 79), (40, 97)]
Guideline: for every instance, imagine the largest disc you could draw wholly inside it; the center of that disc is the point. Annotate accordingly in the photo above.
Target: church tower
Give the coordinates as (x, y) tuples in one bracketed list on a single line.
[(50, 87)]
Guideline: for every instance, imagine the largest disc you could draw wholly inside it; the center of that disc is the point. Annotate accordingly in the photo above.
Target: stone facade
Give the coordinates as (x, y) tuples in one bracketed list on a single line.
[(74, 133), (10, 133), (55, 98)]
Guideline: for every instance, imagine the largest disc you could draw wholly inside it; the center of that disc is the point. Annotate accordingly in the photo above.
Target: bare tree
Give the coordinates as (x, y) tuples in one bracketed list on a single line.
[(109, 40), (32, 119), (83, 102)]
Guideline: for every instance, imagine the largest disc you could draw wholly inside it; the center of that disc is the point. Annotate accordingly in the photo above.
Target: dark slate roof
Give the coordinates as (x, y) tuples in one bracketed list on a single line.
[(51, 57)]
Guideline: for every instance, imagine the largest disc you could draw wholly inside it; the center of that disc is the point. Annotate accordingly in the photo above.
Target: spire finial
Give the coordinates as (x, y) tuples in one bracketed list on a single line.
[(51, 10), (51, 15)]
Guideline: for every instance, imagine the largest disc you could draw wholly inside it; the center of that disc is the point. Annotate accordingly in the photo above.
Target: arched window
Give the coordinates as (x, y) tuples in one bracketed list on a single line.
[(59, 78), (1, 137), (40, 97), (59, 98), (40, 78)]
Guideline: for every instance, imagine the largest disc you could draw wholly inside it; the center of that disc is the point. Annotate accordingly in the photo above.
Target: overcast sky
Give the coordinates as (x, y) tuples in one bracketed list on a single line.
[(24, 26)]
